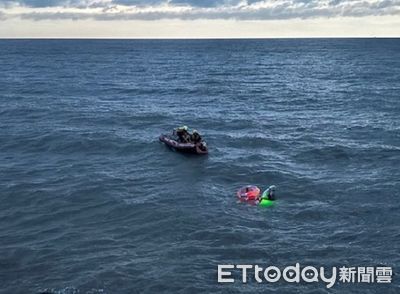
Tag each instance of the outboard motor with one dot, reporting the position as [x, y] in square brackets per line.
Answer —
[203, 146]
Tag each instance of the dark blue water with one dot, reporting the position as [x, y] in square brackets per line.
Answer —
[91, 202]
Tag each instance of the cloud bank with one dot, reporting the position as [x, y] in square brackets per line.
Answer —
[194, 9]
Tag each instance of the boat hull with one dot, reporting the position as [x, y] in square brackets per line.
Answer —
[182, 147]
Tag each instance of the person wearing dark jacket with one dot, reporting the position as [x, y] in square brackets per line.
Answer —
[195, 137]
[183, 134]
[269, 194]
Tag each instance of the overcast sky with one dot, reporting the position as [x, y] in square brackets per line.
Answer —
[199, 18]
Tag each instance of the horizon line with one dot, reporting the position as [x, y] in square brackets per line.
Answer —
[197, 38]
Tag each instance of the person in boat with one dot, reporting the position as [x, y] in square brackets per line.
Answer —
[269, 194]
[183, 134]
[195, 137]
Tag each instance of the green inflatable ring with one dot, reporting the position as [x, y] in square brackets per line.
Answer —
[265, 202]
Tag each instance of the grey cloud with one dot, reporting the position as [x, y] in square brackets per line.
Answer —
[141, 3]
[2, 16]
[199, 3]
[36, 3]
[42, 3]
[226, 9]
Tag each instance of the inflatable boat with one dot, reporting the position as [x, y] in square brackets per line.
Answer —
[172, 142]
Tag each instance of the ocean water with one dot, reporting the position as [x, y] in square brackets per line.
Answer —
[91, 202]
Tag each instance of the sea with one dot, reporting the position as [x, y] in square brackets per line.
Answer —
[91, 201]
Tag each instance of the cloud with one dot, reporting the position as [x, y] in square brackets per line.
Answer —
[195, 9]
[78, 3]
[35, 3]
[2, 16]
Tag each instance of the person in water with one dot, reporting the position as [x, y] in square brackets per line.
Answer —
[183, 134]
[195, 137]
[269, 194]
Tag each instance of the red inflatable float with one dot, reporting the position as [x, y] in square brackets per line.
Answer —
[248, 193]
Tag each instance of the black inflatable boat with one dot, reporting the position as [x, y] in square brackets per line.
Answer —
[172, 142]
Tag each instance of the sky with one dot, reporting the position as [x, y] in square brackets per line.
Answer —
[198, 18]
